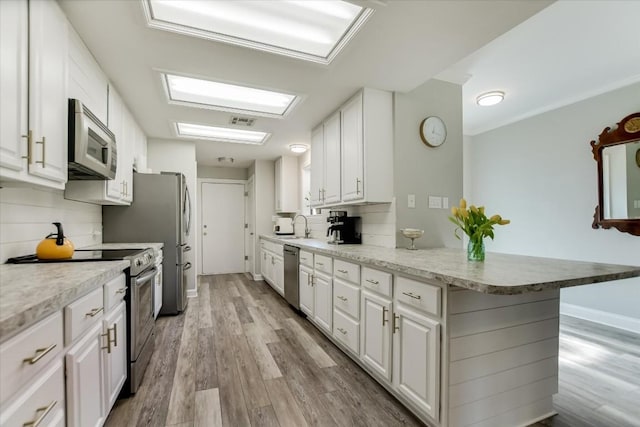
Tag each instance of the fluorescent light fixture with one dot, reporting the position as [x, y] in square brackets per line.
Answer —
[490, 98]
[227, 97]
[190, 130]
[298, 148]
[314, 30]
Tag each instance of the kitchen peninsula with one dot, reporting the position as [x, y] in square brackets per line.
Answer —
[459, 343]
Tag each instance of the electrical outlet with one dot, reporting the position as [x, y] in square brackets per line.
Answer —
[411, 201]
[445, 203]
[435, 202]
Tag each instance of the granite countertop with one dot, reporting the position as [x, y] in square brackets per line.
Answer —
[500, 274]
[30, 292]
[155, 246]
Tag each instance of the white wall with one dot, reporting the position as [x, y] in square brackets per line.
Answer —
[180, 156]
[540, 173]
[26, 215]
[216, 172]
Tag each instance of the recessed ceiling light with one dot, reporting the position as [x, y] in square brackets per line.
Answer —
[490, 98]
[225, 96]
[221, 134]
[298, 148]
[313, 30]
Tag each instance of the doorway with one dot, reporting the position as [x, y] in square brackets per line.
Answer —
[223, 233]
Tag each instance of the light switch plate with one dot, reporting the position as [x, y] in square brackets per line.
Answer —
[445, 203]
[411, 201]
[435, 202]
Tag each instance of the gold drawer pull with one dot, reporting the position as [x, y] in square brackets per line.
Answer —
[115, 334]
[109, 340]
[395, 323]
[121, 290]
[341, 298]
[44, 149]
[412, 295]
[45, 411]
[384, 311]
[319, 263]
[342, 331]
[373, 282]
[40, 353]
[29, 137]
[343, 271]
[95, 311]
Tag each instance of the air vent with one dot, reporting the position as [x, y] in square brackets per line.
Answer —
[242, 121]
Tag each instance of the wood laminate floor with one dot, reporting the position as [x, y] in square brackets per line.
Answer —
[239, 356]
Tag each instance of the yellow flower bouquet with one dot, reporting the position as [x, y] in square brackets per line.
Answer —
[475, 224]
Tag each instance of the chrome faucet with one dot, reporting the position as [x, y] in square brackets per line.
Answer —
[307, 232]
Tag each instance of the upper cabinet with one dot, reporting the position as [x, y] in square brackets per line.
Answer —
[33, 106]
[352, 152]
[287, 190]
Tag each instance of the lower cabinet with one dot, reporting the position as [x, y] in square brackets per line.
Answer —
[306, 291]
[272, 266]
[278, 273]
[114, 326]
[375, 351]
[323, 291]
[417, 359]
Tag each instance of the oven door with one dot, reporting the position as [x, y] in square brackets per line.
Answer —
[141, 310]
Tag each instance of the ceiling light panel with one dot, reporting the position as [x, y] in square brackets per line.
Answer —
[240, 136]
[314, 30]
[227, 97]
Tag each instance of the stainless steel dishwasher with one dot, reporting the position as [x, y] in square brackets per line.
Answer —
[291, 288]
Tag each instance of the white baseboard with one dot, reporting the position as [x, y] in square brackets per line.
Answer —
[627, 323]
[257, 277]
[192, 293]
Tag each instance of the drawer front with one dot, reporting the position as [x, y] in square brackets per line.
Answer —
[323, 264]
[420, 295]
[43, 400]
[25, 354]
[377, 281]
[81, 314]
[276, 248]
[306, 258]
[114, 292]
[346, 271]
[346, 297]
[347, 331]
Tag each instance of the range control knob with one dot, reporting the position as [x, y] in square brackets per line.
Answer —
[138, 262]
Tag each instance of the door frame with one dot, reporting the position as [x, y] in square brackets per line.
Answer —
[249, 238]
[201, 206]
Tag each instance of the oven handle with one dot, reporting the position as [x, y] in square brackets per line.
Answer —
[147, 276]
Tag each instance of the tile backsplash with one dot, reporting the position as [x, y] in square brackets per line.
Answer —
[26, 215]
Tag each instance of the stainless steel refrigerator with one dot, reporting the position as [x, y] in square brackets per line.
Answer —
[160, 212]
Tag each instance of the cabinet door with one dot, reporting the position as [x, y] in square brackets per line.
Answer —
[376, 333]
[352, 150]
[263, 264]
[317, 166]
[306, 291]
[14, 36]
[115, 186]
[48, 104]
[331, 193]
[278, 274]
[114, 326]
[323, 296]
[85, 380]
[417, 360]
[125, 154]
[278, 189]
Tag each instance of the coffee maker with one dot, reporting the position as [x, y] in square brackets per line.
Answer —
[343, 228]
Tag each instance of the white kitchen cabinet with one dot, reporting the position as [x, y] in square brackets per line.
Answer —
[286, 188]
[264, 264]
[306, 291]
[352, 149]
[272, 265]
[322, 292]
[331, 192]
[33, 147]
[115, 372]
[278, 274]
[317, 166]
[376, 329]
[417, 359]
[85, 380]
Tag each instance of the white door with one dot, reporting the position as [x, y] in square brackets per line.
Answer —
[323, 287]
[116, 357]
[250, 230]
[417, 360]
[317, 166]
[376, 333]
[352, 150]
[222, 228]
[306, 291]
[332, 159]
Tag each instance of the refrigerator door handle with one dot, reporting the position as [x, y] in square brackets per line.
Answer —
[186, 266]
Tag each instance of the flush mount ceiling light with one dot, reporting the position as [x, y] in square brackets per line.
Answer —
[227, 97]
[240, 136]
[490, 98]
[226, 160]
[313, 30]
[298, 148]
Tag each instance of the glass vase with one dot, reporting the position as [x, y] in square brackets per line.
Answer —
[475, 250]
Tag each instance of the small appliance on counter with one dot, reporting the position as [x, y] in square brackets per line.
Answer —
[55, 245]
[343, 228]
[283, 226]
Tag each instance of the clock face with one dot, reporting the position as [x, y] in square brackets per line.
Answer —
[433, 132]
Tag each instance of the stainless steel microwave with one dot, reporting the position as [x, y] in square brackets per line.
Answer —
[92, 146]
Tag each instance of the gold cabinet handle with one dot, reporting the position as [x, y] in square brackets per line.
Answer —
[44, 149]
[313, 277]
[342, 331]
[324, 194]
[343, 271]
[110, 341]
[384, 312]
[29, 137]
[108, 336]
[412, 295]
[341, 298]
[319, 263]
[45, 411]
[373, 282]
[115, 334]
[121, 290]
[358, 185]
[95, 311]
[395, 323]
[40, 353]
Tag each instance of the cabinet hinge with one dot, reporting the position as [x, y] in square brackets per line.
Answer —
[246, 257]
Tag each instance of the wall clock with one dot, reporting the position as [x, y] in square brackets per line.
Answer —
[638, 157]
[433, 131]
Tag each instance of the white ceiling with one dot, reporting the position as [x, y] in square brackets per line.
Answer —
[402, 45]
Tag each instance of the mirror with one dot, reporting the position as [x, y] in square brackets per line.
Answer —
[617, 153]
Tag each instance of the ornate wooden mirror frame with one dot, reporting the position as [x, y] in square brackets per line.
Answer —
[628, 130]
